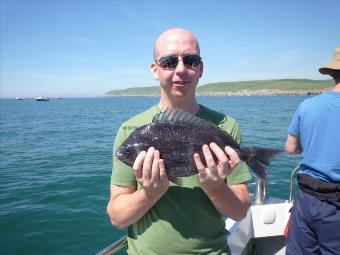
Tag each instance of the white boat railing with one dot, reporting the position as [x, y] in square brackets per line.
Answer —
[292, 178]
[114, 247]
[260, 191]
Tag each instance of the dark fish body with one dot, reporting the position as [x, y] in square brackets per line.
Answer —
[178, 135]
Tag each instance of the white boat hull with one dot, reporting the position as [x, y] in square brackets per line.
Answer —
[262, 229]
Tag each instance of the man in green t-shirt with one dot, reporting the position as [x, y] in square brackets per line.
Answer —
[162, 217]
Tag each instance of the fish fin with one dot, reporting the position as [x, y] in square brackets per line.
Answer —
[158, 116]
[258, 159]
[178, 115]
[175, 180]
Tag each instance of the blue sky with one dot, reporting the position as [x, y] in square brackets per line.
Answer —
[85, 48]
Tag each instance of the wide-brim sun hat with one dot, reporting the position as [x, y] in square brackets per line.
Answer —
[334, 65]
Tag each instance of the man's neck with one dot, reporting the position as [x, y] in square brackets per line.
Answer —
[187, 105]
[337, 87]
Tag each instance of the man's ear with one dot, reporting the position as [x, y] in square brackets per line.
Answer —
[201, 69]
[154, 71]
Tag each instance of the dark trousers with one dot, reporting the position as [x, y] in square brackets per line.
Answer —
[314, 226]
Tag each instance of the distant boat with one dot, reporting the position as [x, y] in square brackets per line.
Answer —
[19, 98]
[41, 99]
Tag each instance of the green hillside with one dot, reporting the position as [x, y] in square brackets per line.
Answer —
[134, 91]
[284, 86]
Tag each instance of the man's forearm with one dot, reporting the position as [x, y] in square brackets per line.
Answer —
[232, 201]
[126, 209]
[293, 145]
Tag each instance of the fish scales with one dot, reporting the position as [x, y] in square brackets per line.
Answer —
[177, 144]
[178, 135]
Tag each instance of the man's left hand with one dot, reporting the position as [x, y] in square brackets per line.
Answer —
[214, 174]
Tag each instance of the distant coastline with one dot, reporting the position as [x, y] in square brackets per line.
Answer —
[291, 87]
[264, 92]
[240, 93]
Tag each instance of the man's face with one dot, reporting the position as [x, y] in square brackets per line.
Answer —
[179, 81]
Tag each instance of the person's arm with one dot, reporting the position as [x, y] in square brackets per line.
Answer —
[232, 201]
[293, 145]
[128, 204]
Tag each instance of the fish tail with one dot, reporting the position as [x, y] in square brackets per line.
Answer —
[258, 159]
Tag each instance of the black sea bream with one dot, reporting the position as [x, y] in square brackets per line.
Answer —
[178, 135]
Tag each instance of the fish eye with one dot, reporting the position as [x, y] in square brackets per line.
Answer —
[128, 151]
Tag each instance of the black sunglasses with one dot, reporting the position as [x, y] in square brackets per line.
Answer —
[171, 62]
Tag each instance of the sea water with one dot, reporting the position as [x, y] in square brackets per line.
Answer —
[56, 160]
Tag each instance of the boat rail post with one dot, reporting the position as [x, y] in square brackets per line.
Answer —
[260, 191]
[292, 177]
[114, 247]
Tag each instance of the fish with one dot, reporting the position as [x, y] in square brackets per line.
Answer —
[178, 135]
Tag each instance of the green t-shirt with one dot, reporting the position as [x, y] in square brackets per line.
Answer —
[183, 221]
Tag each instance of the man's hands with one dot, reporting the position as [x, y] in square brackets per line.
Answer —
[150, 173]
[232, 201]
[213, 176]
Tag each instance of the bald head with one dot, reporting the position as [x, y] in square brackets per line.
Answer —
[176, 40]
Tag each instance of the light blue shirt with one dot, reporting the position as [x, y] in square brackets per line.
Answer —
[317, 123]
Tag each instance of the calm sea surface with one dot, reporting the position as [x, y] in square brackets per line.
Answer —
[56, 160]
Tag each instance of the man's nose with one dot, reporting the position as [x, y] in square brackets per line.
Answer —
[180, 68]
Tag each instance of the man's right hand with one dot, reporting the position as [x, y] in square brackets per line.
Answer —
[150, 173]
[127, 204]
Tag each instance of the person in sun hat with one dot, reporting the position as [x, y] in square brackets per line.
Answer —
[162, 217]
[314, 131]
[332, 68]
